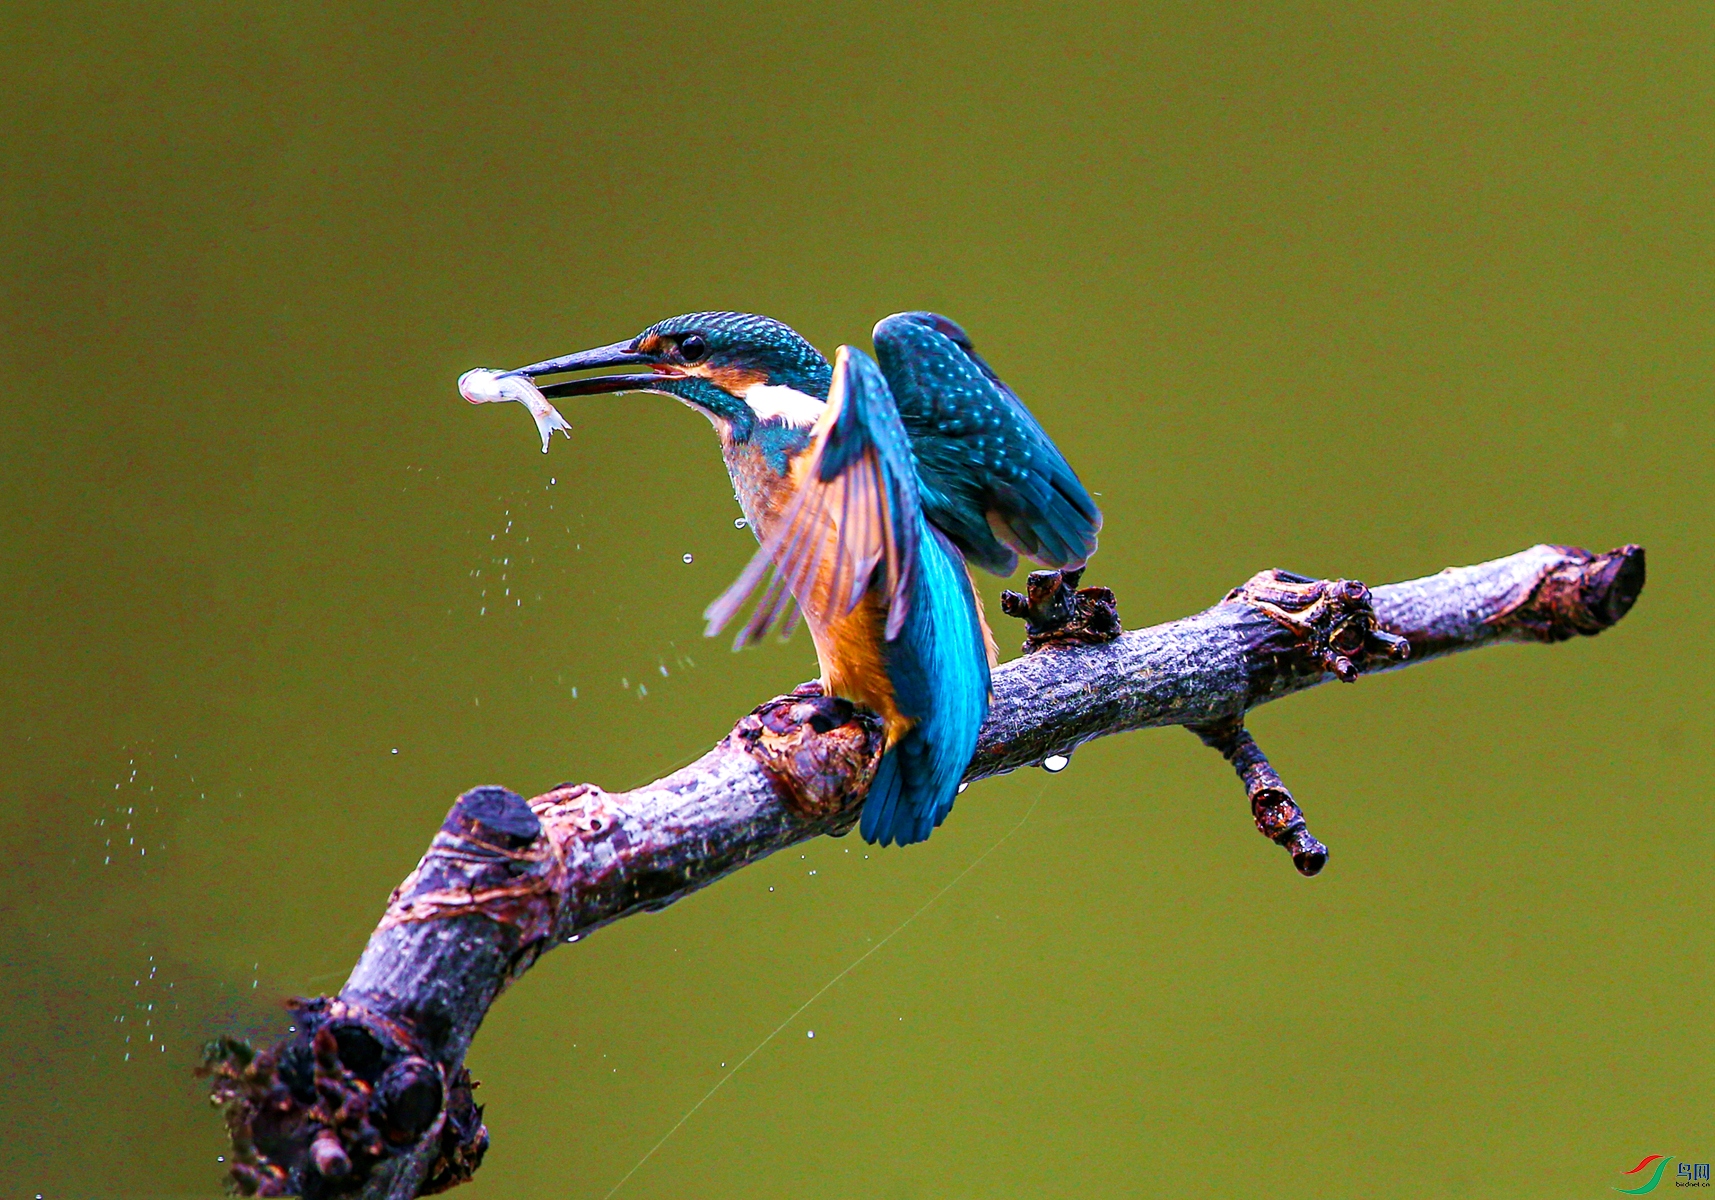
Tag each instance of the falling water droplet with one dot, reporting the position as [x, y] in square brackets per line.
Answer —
[810, 1033]
[395, 749]
[1055, 762]
[962, 788]
[739, 522]
[687, 558]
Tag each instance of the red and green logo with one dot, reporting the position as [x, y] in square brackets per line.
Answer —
[1659, 1162]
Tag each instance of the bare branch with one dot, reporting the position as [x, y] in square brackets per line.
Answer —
[368, 1091]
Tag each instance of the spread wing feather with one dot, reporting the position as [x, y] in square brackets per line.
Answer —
[854, 512]
[991, 478]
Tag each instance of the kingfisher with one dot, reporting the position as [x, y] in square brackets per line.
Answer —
[870, 484]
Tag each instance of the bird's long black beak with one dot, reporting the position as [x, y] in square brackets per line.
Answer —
[620, 354]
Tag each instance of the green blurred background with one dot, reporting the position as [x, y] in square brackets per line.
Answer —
[1354, 290]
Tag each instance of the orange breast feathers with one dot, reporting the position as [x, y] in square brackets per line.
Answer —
[826, 537]
[849, 645]
[850, 650]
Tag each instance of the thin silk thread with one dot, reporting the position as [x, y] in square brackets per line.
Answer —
[797, 1012]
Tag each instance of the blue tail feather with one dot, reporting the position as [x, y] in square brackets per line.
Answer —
[881, 813]
[938, 666]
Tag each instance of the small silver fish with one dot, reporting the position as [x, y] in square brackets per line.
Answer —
[483, 386]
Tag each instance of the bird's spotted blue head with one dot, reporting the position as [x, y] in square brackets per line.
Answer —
[739, 368]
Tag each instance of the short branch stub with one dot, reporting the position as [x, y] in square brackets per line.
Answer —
[1278, 817]
[1057, 612]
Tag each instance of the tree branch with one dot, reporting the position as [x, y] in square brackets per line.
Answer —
[368, 1094]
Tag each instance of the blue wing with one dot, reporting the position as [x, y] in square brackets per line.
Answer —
[989, 476]
[854, 510]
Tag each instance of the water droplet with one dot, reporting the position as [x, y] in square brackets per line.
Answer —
[810, 1033]
[1055, 762]
[739, 523]
[395, 749]
[960, 792]
[688, 558]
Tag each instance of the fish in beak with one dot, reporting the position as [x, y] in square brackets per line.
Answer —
[483, 386]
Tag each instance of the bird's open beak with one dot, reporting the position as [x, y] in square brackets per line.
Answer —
[620, 354]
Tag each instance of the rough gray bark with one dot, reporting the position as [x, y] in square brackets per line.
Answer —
[367, 1092]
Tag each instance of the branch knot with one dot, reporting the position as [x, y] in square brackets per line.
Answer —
[316, 1114]
[1332, 621]
[822, 750]
[1057, 612]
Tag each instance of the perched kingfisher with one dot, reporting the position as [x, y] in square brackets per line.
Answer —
[869, 484]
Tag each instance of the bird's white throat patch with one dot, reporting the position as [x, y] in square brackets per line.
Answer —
[773, 400]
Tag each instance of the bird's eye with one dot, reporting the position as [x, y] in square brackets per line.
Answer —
[692, 347]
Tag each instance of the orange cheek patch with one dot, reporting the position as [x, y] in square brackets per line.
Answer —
[735, 380]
